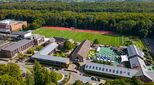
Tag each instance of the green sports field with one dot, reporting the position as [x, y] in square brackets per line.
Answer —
[80, 36]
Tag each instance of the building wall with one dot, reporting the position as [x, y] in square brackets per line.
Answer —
[39, 41]
[54, 63]
[18, 26]
[10, 54]
[77, 58]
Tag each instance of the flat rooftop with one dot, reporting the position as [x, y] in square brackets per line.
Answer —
[9, 21]
[43, 54]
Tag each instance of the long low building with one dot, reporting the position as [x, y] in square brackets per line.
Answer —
[45, 57]
[112, 70]
[14, 48]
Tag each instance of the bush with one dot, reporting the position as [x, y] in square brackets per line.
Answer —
[31, 51]
[38, 48]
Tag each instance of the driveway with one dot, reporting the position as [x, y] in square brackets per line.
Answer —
[84, 79]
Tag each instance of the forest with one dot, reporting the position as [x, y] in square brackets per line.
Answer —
[126, 18]
[83, 7]
[137, 24]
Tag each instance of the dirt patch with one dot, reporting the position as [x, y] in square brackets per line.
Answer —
[79, 30]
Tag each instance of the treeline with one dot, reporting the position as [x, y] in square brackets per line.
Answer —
[83, 6]
[137, 24]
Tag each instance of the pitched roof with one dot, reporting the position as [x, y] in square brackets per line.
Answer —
[138, 64]
[134, 51]
[15, 45]
[49, 48]
[83, 49]
[151, 74]
[113, 70]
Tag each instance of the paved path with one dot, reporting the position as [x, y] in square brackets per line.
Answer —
[23, 68]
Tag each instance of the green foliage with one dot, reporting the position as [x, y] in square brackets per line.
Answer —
[10, 74]
[102, 62]
[78, 36]
[13, 70]
[83, 7]
[29, 80]
[138, 24]
[68, 45]
[42, 76]
[55, 76]
[8, 80]
[31, 51]
[96, 41]
[38, 47]
[125, 81]
[78, 82]
[60, 54]
[38, 74]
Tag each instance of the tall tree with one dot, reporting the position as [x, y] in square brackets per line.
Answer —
[38, 74]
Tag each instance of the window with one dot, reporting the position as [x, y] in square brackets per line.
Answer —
[120, 72]
[117, 71]
[113, 71]
[102, 69]
[128, 73]
[89, 67]
[99, 68]
[110, 70]
[93, 67]
[96, 68]
[86, 66]
[107, 70]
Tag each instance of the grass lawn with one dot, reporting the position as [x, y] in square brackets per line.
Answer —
[60, 54]
[139, 43]
[80, 36]
[59, 76]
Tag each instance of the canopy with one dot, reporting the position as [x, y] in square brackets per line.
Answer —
[98, 49]
[124, 58]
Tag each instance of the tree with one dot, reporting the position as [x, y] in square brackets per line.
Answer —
[47, 78]
[96, 41]
[29, 79]
[30, 51]
[38, 74]
[136, 81]
[8, 80]
[21, 56]
[38, 47]
[54, 76]
[3, 69]
[13, 70]
[78, 82]
[37, 23]
[68, 45]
